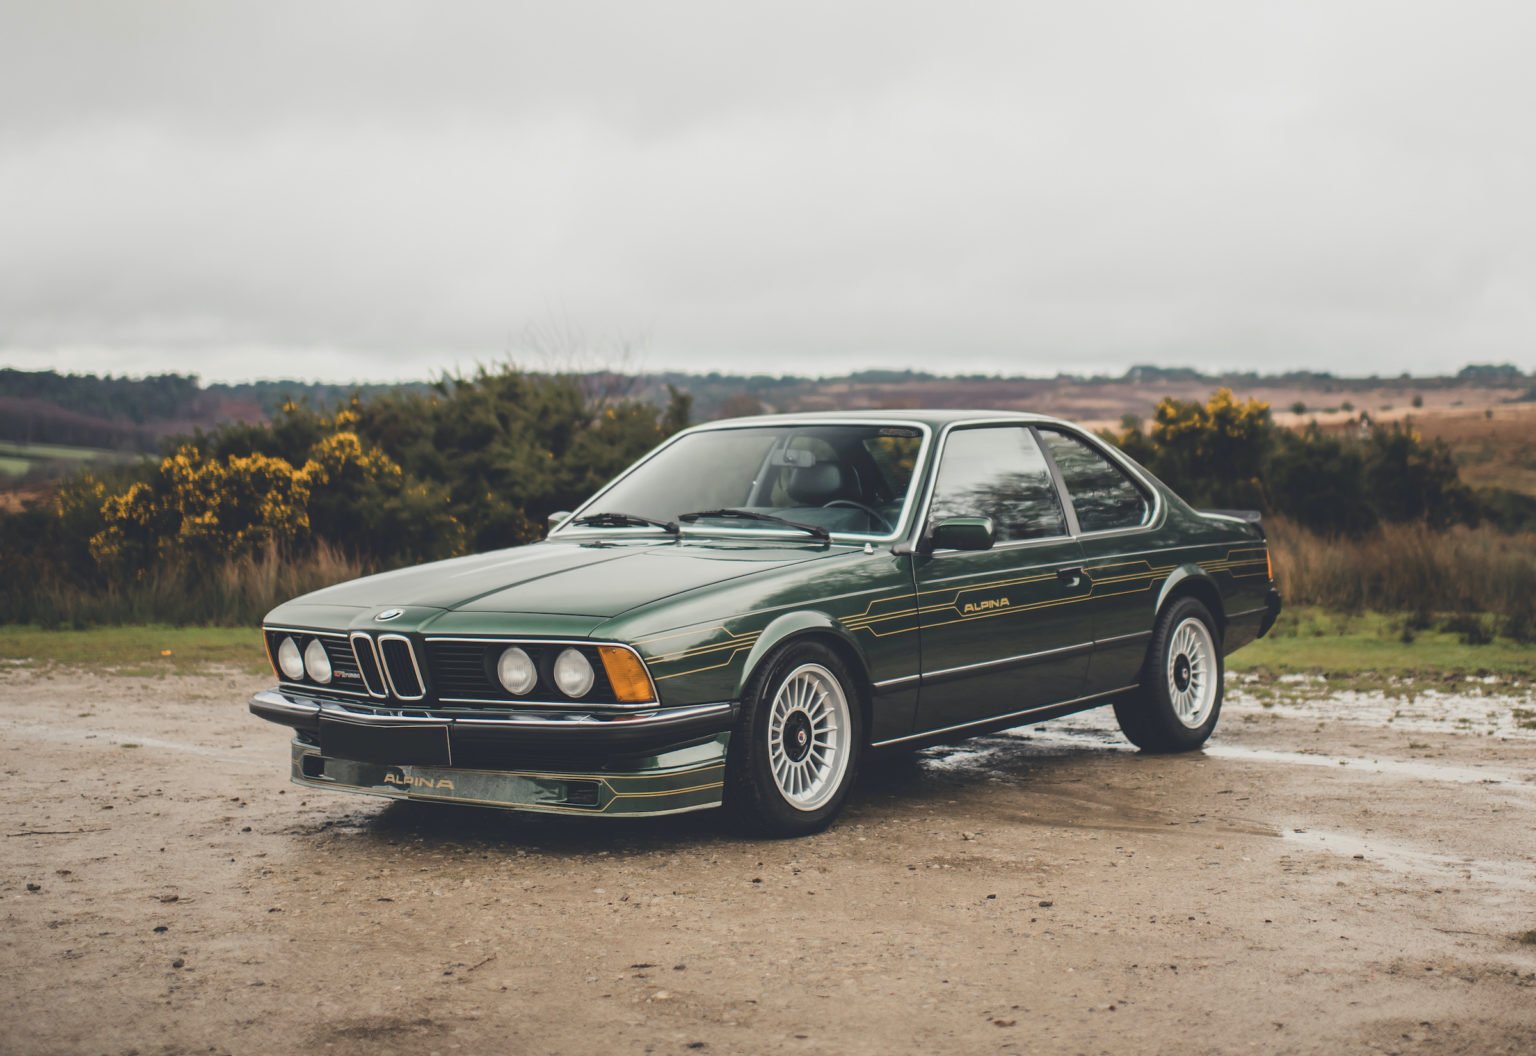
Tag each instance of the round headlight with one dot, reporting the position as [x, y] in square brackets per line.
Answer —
[316, 662]
[516, 671]
[573, 673]
[289, 662]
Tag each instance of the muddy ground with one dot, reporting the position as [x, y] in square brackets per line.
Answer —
[1310, 884]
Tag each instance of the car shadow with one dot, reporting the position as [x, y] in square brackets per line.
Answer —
[890, 784]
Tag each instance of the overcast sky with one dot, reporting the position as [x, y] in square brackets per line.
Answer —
[380, 190]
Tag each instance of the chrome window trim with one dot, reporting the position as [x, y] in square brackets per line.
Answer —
[1139, 478]
[1002, 423]
[1036, 422]
[378, 663]
[565, 527]
[568, 701]
[389, 679]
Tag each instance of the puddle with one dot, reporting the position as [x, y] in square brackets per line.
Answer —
[1486, 707]
[1409, 768]
[1414, 861]
[1096, 733]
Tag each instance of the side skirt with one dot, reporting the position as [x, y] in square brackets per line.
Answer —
[1005, 722]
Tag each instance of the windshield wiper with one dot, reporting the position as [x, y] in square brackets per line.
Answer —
[752, 515]
[614, 519]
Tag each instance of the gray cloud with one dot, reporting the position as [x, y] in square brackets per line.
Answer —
[382, 190]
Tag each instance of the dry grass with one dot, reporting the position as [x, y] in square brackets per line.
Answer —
[236, 593]
[1414, 569]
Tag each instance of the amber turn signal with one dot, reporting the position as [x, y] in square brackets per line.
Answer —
[627, 676]
[1269, 563]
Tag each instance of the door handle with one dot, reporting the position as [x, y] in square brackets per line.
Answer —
[1070, 576]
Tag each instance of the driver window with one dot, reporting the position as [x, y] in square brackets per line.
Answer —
[999, 473]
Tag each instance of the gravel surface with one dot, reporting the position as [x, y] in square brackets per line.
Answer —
[1310, 884]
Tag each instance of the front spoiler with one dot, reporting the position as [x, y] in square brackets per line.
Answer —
[684, 779]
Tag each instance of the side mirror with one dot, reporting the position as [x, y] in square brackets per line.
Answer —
[557, 519]
[962, 533]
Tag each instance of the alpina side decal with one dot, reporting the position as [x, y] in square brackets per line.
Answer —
[1135, 576]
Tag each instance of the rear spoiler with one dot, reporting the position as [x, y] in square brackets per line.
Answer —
[1253, 517]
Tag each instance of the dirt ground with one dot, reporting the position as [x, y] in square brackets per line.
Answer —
[1307, 885]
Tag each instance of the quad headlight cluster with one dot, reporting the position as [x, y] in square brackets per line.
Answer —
[572, 672]
[313, 661]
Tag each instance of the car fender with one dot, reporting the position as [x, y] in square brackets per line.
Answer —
[1185, 576]
[794, 625]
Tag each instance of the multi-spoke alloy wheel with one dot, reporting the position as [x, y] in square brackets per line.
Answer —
[1179, 700]
[1191, 672]
[807, 736]
[796, 745]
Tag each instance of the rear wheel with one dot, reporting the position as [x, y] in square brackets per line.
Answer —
[795, 749]
[1179, 700]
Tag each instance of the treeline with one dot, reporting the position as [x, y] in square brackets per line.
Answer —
[136, 414]
[471, 464]
[1228, 453]
[231, 520]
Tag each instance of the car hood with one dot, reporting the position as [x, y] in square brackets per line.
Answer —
[598, 579]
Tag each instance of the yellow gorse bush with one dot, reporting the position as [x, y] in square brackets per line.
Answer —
[1223, 416]
[196, 507]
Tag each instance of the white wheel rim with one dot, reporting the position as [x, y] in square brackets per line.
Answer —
[808, 731]
[1191, 672]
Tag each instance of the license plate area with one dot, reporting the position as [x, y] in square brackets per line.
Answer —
[425, 745]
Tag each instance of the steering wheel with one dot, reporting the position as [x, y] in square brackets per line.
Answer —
[876, 514]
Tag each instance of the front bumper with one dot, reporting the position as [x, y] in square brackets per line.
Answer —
[660, 761]
[502, 733]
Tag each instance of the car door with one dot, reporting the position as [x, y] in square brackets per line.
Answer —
[1003, 630]
[1112, 514]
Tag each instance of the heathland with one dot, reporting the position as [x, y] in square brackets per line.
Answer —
[1412, 499]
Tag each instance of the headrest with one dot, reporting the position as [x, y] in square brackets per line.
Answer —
[815, 485]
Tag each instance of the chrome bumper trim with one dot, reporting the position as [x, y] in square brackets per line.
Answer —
[275, 702]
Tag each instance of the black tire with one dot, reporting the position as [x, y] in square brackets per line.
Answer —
[1160, 716]
[754, 796]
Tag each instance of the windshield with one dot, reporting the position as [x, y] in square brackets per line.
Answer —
[844, 478]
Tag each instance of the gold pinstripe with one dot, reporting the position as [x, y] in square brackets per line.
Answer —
[1140, 572]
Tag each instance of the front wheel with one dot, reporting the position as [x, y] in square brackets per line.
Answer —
[1179, 700]
[795, 749]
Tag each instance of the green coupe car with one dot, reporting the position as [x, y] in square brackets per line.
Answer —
[744, 613]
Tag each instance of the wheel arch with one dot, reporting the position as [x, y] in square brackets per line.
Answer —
[810, 625]
[1192, 581]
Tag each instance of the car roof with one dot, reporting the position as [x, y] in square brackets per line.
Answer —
[936, 418]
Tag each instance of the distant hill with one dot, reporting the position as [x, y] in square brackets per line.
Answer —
[137, 414]
[122, 414]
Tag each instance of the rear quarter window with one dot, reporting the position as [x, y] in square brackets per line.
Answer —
[1103, 494]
